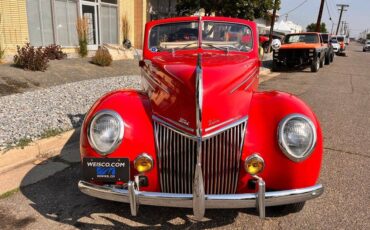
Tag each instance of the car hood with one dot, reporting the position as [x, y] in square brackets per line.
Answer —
[300, 45]
[227, 84]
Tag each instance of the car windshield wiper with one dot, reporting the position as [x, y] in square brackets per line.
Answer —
[226, 49]
[178, 48]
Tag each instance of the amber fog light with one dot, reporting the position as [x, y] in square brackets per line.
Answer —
[254, 164]
[143, 163]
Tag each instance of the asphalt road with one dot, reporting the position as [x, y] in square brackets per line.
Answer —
[340, 96]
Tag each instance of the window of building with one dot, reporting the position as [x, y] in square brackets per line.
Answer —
[54, 21]
[40, 23]
[109, 24]
[65, 22]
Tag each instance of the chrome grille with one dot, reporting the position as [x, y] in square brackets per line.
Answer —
[220, 159]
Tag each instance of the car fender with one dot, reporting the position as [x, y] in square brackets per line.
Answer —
[266, 112]
[134, 108]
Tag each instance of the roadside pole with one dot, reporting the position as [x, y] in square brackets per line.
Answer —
[318, 23]
[276, 4]
[342, 6]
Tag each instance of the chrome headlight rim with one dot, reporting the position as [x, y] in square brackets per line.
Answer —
[282, 143]
[120, 135]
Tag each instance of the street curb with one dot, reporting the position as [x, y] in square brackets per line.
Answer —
[264, 71]
[38, 161]
[38, 150]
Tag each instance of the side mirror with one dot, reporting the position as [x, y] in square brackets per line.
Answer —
[276, 44]
[127, 44]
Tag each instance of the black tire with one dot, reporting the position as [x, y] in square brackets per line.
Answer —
[332, 57]
[289, 208]
[327, 59]
[275, 66]
[322, 62]
[315, 65]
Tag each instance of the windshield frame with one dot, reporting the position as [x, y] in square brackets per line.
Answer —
[200, 38]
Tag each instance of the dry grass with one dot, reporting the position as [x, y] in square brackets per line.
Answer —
[82, 27]
[125, 28]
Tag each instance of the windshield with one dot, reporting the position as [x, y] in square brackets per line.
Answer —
[325, 37]
[215, 35]
[306, 38]
[333, 40]
[340, 39]
[173, 35]
[228, 36]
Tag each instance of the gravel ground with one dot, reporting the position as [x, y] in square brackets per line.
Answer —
[28, 115]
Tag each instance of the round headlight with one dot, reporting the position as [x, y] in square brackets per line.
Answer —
[106, 131]
[297, 137]
[143, 163]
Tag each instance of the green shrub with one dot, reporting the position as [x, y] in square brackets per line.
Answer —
[102, 57]
[54, 52]
[31, 58]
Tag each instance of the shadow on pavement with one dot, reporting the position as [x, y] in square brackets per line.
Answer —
[58, 198]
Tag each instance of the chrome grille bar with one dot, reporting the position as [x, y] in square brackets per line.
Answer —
[177, 158]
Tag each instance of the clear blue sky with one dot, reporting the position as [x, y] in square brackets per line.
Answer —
[357, 14]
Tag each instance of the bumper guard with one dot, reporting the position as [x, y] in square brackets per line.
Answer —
[259, 200]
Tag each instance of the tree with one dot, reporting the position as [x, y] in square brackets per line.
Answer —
[246, 9]
[312, 27]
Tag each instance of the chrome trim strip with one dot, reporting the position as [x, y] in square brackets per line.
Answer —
[193, 137]
[249, 85]
[246, 200]
[198, 183]
[199, 96]
[231, 125]
[255, 71]
[149, 79]
[168, 124]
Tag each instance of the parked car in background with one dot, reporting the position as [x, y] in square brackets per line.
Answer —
[264, 40]
[346, 40]
[329, 57]
[342, 45]
[366, 46]
[335, 44]
[301, 49]
[199, 135]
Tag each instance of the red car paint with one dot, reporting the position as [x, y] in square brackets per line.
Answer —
[230, 83]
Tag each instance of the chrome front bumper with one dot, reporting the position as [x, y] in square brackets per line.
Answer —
[259, 200]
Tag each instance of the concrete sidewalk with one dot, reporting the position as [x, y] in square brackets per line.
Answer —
[39, 160]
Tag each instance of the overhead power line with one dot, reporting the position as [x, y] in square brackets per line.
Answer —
[327, 7]
[295, 7]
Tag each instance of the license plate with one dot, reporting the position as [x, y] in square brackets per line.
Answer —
[106, 169]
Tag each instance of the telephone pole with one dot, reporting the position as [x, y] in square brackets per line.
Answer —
[342, 7]
[318, 23]
[276, 5]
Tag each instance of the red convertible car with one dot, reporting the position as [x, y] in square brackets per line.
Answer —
[199, 135]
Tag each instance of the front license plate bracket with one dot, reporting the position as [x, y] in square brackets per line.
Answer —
[106, 169]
